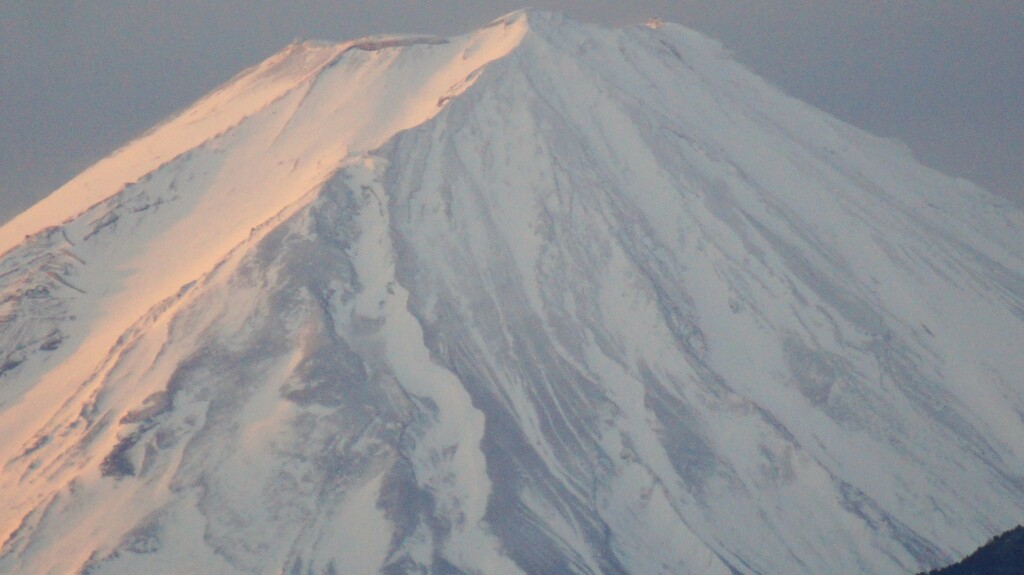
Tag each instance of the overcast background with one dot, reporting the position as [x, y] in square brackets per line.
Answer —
[80, 78]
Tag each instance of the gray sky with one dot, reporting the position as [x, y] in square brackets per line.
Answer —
[80, 78]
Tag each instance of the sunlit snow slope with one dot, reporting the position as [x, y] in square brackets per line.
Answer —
[543, 298]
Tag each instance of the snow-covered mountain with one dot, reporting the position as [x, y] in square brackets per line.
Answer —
[543, 298]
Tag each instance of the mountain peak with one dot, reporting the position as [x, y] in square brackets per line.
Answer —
[540, 298]
[529, 16]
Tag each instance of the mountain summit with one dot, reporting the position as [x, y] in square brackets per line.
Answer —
[542, 298]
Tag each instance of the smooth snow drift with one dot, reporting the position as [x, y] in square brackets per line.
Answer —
[543, 298]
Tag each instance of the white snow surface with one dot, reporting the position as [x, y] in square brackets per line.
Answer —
[542, 298]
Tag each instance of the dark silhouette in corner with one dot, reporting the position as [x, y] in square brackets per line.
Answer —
[1003, 555]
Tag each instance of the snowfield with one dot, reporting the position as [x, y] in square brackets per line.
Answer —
[542, 298]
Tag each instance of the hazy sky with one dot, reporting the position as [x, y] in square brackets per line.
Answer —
[80, 78]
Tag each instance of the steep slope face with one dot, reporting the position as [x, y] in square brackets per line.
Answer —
[545, 298]
[101, 252]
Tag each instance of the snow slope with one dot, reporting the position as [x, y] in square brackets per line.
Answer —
[543, 298]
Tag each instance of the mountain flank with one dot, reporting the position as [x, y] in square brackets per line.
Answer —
[545, 297]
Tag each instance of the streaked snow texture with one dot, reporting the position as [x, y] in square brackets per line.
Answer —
[544, 298]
